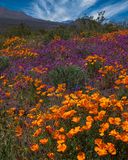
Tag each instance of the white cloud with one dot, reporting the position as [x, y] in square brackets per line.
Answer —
[58, 10]
[111, 10]
[87, 3]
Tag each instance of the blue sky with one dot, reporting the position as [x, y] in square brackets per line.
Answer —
[62, 10]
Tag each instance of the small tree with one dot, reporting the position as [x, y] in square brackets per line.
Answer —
[101, 18]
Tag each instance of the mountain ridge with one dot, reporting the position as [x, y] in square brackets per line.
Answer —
[10, 18]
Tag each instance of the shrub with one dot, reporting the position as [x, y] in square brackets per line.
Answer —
[93, 64]
[19, 30]
[4, 62]
[73, 76]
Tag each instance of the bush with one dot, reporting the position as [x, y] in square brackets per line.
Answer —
[73, 76]
[1, 41]
[19, 30]
[4, 63]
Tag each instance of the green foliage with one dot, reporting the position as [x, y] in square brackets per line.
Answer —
[111, 27]
[20, 30]
[88, 25]
[73, 76]
[62, 31]
[4, 62]
[8, 142]
[92, 69]
[10, 147]
[122, 92]
[2, 39]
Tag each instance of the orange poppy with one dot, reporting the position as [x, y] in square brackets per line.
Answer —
[101, 151]
[115, 121]
[111, 148]
[61, 147]
[37, 132]
[81, 156]
[18, 131]
[34, 147]
[44, 141]
[75, 119]
[50, 155]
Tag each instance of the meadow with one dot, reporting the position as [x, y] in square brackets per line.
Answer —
[66, 99]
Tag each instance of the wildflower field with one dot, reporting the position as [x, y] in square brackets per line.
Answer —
[64, 100]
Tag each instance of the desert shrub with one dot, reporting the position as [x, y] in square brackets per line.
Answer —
[61, 32]
[111, 27]
[1, 45]
[4, 62]
[93, 64]
[19, 30]
[2, 38]
[73, 76]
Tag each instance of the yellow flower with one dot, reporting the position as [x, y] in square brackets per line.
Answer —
[115, 134]
[37, 132]
[39, 121]
[52, 89]
[1, 101]
[61, 148]
[21, 112]
[57, 123]
[61, 130]
[88, 125]
[11, 111]
[73, 132]
[8, 94]
[101, 151]
[100, 116]
[104, 127]
[101, 147]
[115, 121]
[81, 156]
[44, 141]
[18, 131]
[33, 110]
[104, 102]
[68, 114]
[51, 155]
[49, 129]
[34, 147]
[119, 105]
[41, 101]
[76, 119]
[124, 137]
[89, 119]
[111, 148]
[38, 105]
[31, 116]
[125, 115]
[60, 141]
[98, 141]
[125, 126]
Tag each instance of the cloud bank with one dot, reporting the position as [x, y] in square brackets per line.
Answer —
[63, 10]
[58, 10]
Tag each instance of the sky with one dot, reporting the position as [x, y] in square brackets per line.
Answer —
[63, 10]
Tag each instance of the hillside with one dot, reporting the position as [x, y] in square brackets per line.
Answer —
[10, 18]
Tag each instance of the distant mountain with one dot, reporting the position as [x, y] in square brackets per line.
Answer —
[9, 18]
[5, 13]
[68, 21]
